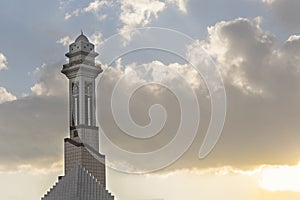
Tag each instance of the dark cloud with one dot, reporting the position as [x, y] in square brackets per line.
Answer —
[262, 84]
[32, 128]
[32, 131]
[261, 126]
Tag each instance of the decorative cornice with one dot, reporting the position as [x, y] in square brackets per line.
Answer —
[81, 69]
[76, 53]
[77, 144]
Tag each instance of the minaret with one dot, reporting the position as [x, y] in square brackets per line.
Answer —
[84, 137]
[81, 72]
[84, 176]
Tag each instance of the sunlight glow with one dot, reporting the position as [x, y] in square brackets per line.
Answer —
[281, 178]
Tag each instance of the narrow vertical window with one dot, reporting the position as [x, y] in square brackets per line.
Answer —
[88, 104]
[89, 111]
[76, 111]
[75, 104]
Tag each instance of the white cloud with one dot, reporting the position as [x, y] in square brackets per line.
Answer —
[64, 3]
[158, 72]
[3, 61]
[293, 38]
[96, 5]
[181, 4]
[139, 13]
[134, 13]
[97, 38]
[268, 1]
[67, 16]
[6, 96]
[189, 73]
[51, 82]
[65, 41]
[72, 14]
[39, 89]
[34, 170]
[93, 7]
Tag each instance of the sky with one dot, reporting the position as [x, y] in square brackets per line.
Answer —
[198, 60]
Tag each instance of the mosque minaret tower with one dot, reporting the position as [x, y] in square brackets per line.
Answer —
[85, 177]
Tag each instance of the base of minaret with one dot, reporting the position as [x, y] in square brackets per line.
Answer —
[78, 184]
[78, 153]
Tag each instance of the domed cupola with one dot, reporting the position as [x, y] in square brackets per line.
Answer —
[82, 37]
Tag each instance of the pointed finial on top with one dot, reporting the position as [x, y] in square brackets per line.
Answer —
[81, 31]
[82, 37]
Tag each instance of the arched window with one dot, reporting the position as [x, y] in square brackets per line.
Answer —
[75, 104]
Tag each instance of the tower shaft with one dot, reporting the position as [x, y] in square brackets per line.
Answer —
[83, 145]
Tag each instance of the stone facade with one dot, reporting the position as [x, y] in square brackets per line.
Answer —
[76, 153]
[78, 184]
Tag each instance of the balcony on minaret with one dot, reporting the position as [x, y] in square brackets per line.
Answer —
[81, 52]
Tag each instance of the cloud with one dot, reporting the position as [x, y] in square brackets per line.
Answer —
[33, 128]
[159, 72]
[97, 38]
[261, 127]
[3, 61]
[94, 7]
[32, 169]
[287, 12]
[181, 4]
[51, 82]
[293, 38]
[65, 41]
[6, 96]
[72, 14]
[190, 182]
[165, 78]
[133, 13]
[64, 3]
[262, 85]
[32, 132]
[137, 13]
[268, 1]
[222, 179]
[240, 48]
[67, 16]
